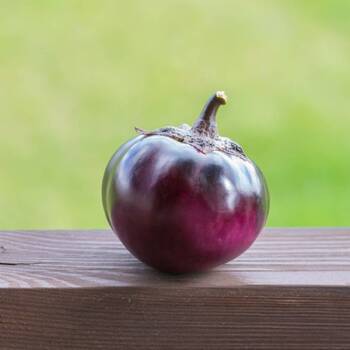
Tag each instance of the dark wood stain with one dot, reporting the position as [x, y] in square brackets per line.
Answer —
[83, 290]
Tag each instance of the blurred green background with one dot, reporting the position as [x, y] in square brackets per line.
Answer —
[77, 76]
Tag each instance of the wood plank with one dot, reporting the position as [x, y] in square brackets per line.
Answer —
[53, 259]
[83, 290]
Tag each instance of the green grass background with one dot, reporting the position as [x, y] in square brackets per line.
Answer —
[77, 76]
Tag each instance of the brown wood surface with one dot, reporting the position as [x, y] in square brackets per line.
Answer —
[83, 290]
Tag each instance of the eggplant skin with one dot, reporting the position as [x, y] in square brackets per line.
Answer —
[179, 210]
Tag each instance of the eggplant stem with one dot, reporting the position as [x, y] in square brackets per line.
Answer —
[206, 122]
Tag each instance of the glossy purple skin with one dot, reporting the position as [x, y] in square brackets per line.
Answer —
[179, 210]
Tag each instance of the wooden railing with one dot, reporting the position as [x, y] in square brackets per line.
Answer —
[83, 290]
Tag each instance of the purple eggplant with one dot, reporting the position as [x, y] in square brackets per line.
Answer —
[184, 199]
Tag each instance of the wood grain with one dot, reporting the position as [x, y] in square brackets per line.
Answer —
[83, 290]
